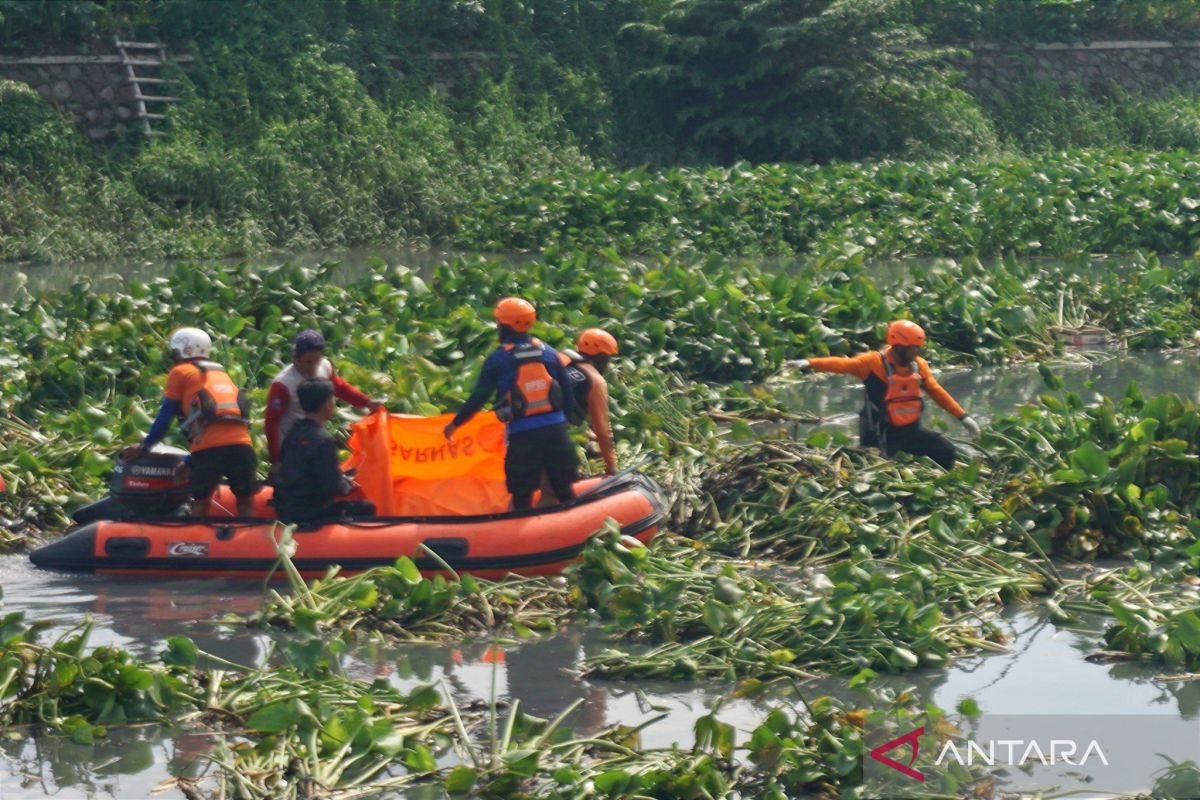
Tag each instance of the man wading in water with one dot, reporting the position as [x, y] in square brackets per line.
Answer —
[893, 380]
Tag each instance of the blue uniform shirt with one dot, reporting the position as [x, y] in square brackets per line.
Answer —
[496, 380]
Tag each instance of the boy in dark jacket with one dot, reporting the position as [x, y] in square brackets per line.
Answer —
[311, 480]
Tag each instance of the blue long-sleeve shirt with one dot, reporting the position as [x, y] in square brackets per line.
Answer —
[168, 411]
[496, 380]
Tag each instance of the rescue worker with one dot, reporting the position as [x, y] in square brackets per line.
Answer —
[283, 407]
[585, 369]
[214, 414]
[311, 484]
[894, 379]
[531, 392]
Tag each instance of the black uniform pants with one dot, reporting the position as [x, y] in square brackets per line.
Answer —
[541, 450]
[918, 441]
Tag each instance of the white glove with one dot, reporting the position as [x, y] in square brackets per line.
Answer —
[800, 364]
[971, 425]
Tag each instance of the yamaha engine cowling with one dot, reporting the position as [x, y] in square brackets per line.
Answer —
[149, 486]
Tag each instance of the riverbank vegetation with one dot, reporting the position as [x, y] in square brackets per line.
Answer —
[523, 124]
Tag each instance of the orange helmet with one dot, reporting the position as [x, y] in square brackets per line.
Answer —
[516, 313]
[903, 333]
[597, 342]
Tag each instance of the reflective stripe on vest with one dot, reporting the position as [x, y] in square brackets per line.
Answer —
[534, 390]
[903, 399]
[217, 400]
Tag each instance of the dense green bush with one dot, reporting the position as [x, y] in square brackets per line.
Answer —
[802, 81]
[34, 136]
[295, 131]
[1037, 115]
[1055, 20]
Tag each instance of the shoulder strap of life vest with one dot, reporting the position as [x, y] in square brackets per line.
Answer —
[889, 369]
[206, 408]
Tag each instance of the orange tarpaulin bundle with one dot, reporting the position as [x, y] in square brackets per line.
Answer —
[407, 468]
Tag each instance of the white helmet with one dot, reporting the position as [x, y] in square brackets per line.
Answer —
[190, 343]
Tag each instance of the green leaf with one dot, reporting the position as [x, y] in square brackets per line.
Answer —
[461, 780]
[1187, 630]
[306, 619]
[234, 326]
[181, 652]
[863, 676]
[614, 782]
[1090, 459]
[1051, 379]
[420, 759]
[741, 431]
[408, 570]
[274, 718]
[522, 762]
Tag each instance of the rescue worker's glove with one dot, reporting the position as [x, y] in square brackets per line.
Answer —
[800, 364]
[971, 425]
[449, 430]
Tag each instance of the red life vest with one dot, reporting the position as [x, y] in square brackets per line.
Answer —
[218, 400]
[534, 391]
[903, 399]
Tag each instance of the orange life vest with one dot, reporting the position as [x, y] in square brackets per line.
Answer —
[534, 391]
[218, 400]
[903, 399]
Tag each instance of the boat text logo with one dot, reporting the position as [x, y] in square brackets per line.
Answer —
[192, 549]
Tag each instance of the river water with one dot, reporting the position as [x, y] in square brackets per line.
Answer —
[1043, 670]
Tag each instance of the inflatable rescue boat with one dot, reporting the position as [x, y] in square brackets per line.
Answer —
[438, 504]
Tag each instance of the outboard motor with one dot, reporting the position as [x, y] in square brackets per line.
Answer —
[149, 486]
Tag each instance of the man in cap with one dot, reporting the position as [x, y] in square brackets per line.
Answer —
[283, 405]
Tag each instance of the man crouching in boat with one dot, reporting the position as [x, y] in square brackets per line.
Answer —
[311, 482]
[893, 380]
[214, 414]
[531, 390]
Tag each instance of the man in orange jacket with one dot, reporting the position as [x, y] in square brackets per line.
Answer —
[894, 379]
[214, 414]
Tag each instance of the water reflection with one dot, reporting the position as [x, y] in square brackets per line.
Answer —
[131, 761]
[137, 613]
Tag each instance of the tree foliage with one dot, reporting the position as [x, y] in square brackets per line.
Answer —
[785, 80]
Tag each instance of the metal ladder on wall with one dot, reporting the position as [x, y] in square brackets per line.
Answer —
[146, 54]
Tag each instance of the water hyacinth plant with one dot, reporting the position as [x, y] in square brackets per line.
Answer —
[399, 603]
[859, 562]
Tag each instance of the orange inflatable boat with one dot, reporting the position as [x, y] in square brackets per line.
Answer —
[432, 498]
